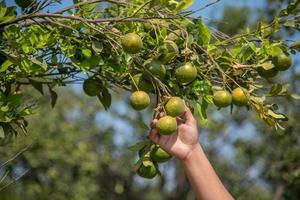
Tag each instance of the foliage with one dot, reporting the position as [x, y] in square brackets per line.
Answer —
[86, 40]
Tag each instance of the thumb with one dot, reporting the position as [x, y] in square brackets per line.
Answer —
[188, 116]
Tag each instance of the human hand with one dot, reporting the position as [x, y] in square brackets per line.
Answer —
[181, 143]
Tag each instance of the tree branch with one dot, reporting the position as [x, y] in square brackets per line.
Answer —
[95, 21]
[89, 2]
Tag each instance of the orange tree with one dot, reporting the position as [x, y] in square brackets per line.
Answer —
[154, 48]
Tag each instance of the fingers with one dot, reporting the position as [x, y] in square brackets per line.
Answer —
[188, 116]
[153, 123]
[154, 136]
[161, 114]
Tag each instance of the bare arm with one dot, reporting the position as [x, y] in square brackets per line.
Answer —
[184, 145]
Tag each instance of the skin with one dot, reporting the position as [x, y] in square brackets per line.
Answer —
[184, 146]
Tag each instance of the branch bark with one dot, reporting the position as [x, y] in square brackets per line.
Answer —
[40, 19]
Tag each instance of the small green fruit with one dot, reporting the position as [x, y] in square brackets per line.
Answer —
[139, 100]
[186, 73]
[222, 98]
[175, 107]
[156, 68]
[166, 125]
[239, 97]
[147, 169]
[132, 43]
[282, 62]
[159, 155]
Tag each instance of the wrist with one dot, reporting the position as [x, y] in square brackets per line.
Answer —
[192, 154]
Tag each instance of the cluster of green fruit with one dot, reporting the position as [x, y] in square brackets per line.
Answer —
[278, 63]
[174, 108]
[238, 96]
[140, 99]
[154, 68]
[166, 125]
[150, 159]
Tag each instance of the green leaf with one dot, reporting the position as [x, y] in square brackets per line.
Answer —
[266, 65]
[5, 119]
[143, 125]
[97, 46]
[185, 4]
[5, 65]
[138, 146]
[205, 34]
[276, 89]
[94, 60]
[105, 98]
[274, 50]
[202, 109]
[3, 10]
[40, 62]
[137, 164]
[86, 52]
[295, 96]
[53, 96]
[4, 108]
[37, 85]
[277, 116]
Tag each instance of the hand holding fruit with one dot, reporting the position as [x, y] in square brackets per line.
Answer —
[183, 140]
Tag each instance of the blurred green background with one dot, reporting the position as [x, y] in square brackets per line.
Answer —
[78, 151]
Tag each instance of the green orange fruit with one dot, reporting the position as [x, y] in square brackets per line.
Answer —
[169, 51]
[239, 97]
[156, 68]
[139, 100]
[92, 87]
[222, 98]
[132, 43]
[147, 169]
[24, 3]
[140, 83]
[166, 125]
[186, 73]
[175, 107]
[159, 155]
[282, 62]
[267, 73]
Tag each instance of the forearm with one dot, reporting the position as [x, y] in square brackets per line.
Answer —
[203, 178]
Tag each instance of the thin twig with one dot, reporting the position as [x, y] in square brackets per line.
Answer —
[88, 2]
[14, 180]
[15, 156]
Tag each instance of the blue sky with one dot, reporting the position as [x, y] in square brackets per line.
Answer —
[215, 10]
